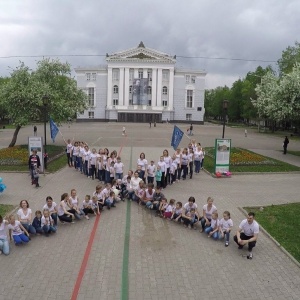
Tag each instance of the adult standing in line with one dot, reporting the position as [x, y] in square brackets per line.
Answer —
[208, 210]
[34, 130]
[69, 152]
[285, 144]
[247, 233]
[143, 163]
[34, 160]
[168, 161]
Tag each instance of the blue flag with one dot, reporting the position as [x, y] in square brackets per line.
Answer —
[53, 130]
[176, 137]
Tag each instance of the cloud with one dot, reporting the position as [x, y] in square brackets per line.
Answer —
[258, 30]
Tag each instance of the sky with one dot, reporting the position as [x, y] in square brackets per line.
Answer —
[255, 31]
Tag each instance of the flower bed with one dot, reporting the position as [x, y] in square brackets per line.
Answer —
[16, 155]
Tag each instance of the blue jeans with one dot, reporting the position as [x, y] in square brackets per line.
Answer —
[85, 168]
[4, 246]
[109, 204]
[107, 176]
[197, 166]
[215, 235]
[30, 229]
[119, 175]
[54, 217]
[21, 238]
[49, 229]
[226, 235]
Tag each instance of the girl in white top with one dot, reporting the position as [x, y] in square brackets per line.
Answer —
[17, 231]
[168, 161]
[4, 244]
[151, 169]
[86, 155]
[47, 222]
[65, 214]
[69, 151]
[75, 154]
[73, 203]
[226, 225]
[25, 216]
[191, 162]
[177, 212]
[208, 210]
[178, 160]
[119, 168]
[213, 229]
[184, 164]
[173, 169]
[163, 169]
[80, 157]
[169, 209]
[198, 156]
[93, 163]
[143, 163]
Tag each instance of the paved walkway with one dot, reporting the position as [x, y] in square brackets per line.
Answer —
[163, 259]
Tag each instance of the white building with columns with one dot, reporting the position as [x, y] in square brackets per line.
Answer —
[142, 85]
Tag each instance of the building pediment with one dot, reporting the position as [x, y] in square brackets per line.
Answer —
[142, 54]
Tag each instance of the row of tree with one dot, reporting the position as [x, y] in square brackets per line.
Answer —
[262, 95]
[33, 95]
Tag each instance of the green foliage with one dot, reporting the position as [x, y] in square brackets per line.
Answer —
[5, 209]
[283, 223]
[290, 56]
[22, 95]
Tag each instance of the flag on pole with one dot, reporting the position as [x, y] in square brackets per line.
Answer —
[176, 137]
[53, 130]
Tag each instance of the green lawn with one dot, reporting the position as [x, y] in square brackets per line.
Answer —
[242, 160]
[297, 153]
[5, 208]
[283, 223]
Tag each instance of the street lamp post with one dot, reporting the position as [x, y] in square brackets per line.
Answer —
[225, 106]
[45, 103]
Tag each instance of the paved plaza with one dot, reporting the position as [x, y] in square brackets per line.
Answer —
[135, 255]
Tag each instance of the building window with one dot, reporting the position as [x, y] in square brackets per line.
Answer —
[149, 102]
[115, 102]
[149, 74]
[165, 103]
[188, 117]
[165, 90]
[131, 74]
[116, 89]
[94, 75]
[149, 90]
[189, 98]
[115, 74]
[187, 78]
[193, 79]
[130, 89]
[91, 96]
[165, 75]
[130, 101]
[141, 73]
[91, 115]
[88, 76]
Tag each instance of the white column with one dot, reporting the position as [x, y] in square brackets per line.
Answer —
[154, 79]
[159, 86]
[109, 87]
[145, 73]
[121, 87]
[136, 73]
[126, 87]
[171, 88]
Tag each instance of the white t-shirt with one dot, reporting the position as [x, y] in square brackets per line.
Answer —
[48, 219]
[225, 224]
[119, 167]
[168, 161]
[69, 148]
[74, 201]
[61, 207]
[22, 216]
[93, 158]
[214, 223]
[170, 208]
[134, 183]
[3, 229]
[187, 207]
[142, 163]
[162, 165]
[86, 204]
[75, 151]
[151, 170]
[208, 213]
[249, 229]
[16, 229]
[178, 211]
[52, 208]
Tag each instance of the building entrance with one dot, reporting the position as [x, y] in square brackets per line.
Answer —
[139, 117]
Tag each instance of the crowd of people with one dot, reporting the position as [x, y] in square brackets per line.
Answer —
[144, 186]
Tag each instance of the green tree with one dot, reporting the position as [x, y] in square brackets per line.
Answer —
[290, 56]
[22, 95]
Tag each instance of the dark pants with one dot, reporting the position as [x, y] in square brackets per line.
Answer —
[88, 211]
[184, 169]
[175, 216]
[150, 179]
[197, 166]
[167, 177]
[69, 159]
[93, 171]
[243, 236]
[158, 184]
[191, 169]
[284, 149]
[203, 223]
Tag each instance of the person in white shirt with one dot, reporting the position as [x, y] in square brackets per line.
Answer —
[25, 216]
[198, 156]
[143, 163]
[226, 225]
[47, 223]
[69, 151]
[75, 155]
[208, 210]
[151, 171]
[213, 229]
[173, 169]
[52, 207]
[168, 161]
[119, 167]
[86, 155]
[247, 233]
[163, 169]
[134, 185]
[4, 244]
[93, 157]
[17, 231]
